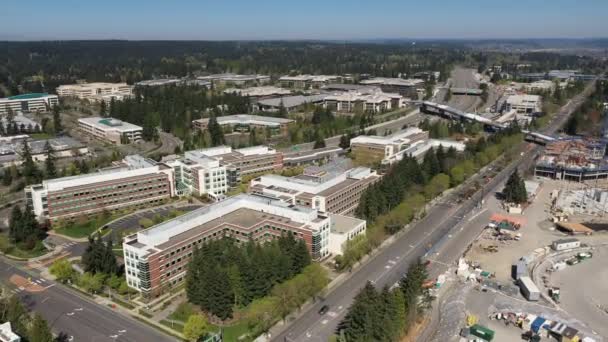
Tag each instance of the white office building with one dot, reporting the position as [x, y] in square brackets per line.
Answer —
[96, 91]
[200, 174]
[343, 229]
[110, 130]
[28, 103]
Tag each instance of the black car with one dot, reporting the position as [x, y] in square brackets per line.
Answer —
[323, 309]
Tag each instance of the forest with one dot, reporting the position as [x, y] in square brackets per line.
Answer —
[223, 275]
[42, 66]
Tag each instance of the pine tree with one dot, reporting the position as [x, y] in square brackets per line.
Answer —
[30, 170]
[515, 189]
[51, 169]
[16, 224]
[344, 141]
[319, 142]
[216, 132]
[102, 108]
[57, 120]
[40, 331]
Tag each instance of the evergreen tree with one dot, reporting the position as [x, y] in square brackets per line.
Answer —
[15, 231]
[58, 127]
[319, 143]
[51, 169]
[39, 330]
[344, 141]
[30, 170]
[216, 132]
[515, 189]
[102, 108]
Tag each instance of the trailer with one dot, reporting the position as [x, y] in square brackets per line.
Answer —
[482, 332]
[528, 288]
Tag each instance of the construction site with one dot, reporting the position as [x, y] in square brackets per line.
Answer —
[521, 279]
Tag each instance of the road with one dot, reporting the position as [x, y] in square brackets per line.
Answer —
[72, 313]
[391, 263]
[464, 78]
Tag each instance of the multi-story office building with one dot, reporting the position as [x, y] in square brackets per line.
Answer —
[236, 163]
[288, 103]
[404, 87]
[137, 182]
[258, 93]
[157, 258]
[234, 79]
[199, 174]
[373, 100]
[334, 188]
[386, 149]
[110, 130]
[35, 102]
[246, 122]
[344, 229]
[315, 156]
[308, 81]
[96, 91]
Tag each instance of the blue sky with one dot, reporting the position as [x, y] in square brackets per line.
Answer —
[303, 19]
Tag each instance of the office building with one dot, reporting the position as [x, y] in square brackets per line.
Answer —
[110, 130]
[136, 182]
[235, 79]
[20, 124]
[199, 174]
[157, 258]
[159, 82]
[288, 103]
[386, 150]
[343, 229]
[246, 122]
[334, 188]
[258, 93]
[96, 91]
[541, 85]
[315, 156]
[238, 162]
[364, 101]
[63, 147]
[404, 87]
[28, 103]
[308, 81]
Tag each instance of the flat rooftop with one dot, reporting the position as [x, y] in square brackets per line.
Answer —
[110, 124]
[341, 224]
[243, 218]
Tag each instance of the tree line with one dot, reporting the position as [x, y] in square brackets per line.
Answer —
[42, 66]
[223, 275]
[24, 230]
[386, 315]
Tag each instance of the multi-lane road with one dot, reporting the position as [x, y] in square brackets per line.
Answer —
[73, 313]
[388, 265]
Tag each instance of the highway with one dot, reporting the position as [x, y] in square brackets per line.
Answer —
[388, 265]
[73, 313]
[463, 78]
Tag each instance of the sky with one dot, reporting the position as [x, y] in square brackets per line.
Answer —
[301, 19]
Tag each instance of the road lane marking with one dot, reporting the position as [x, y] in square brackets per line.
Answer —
[45, 299]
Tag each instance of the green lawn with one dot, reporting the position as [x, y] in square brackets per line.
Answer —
[82, 229]
[175, 326]
[233, 332]
[9, 248]
[41, 136]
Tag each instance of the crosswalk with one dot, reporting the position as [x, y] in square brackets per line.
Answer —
[69, 244]
[41, 281]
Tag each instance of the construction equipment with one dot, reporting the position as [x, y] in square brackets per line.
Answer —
[471, 320]
[554, 294]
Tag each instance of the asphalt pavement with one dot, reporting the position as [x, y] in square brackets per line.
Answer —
[71, 312]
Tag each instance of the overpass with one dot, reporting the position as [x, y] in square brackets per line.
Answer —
[466, 91]
[457, 114]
